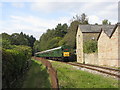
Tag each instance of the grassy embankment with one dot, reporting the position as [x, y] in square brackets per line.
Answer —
[70, 77]
[36, 77]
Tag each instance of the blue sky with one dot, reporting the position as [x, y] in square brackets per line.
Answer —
[34, 18]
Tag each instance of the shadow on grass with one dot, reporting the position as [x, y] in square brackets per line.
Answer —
[36, 77]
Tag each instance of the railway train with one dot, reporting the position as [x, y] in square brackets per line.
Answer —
[62, 53]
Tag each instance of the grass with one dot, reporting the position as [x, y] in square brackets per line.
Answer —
[70, 77]
[37, 76]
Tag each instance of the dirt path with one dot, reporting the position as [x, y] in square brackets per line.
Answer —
[52, 72]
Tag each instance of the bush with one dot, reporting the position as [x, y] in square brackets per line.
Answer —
[5, 43]
[90, 46]
[14, 62]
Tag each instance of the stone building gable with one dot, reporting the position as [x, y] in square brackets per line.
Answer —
[79, 43]
[108, 47]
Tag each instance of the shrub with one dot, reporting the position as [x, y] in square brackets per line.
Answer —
[14, 62]
[90, 46]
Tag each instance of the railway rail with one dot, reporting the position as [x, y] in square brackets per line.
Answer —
[104, 70]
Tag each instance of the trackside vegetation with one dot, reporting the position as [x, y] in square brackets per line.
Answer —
[70, 77]
[14, 63]
[36, 77]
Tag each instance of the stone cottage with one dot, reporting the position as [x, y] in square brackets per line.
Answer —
[84, 33]
[109, 46]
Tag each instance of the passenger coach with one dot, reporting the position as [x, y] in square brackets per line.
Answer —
[61, 53]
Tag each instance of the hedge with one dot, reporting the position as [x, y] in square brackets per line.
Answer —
[14, 62]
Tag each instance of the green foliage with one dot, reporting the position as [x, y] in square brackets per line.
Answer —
[70, 37]
[22, 39]
[5, 36]
[106, 22]
[6, 44]
[51, 38]
[61, 42]
[17, 39]
[14, 62]
[5, 40]
[53, 42]
[37, 76]
[90, 46]
[24, 49]
[36, 47]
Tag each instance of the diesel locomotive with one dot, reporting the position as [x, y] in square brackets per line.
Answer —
[61, 53]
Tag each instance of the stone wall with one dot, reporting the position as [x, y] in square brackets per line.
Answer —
[108, 49]
[119, 46]
[79, 43]
[91, 58]
[80, 38]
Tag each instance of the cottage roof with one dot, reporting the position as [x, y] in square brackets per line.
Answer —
[109, 31]
[95, 28]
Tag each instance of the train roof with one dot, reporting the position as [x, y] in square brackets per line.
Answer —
[49, 50]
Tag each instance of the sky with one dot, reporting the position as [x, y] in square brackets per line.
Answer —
[34, 17]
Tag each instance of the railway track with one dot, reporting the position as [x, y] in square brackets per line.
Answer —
[104, 70]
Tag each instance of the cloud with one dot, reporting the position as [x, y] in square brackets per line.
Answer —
[1, 5]
[18, 4]
[100, 9]
[49, 7]
[59, 1]
[31, 24]
[94, 19]
[63, 12]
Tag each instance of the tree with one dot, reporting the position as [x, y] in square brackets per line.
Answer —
[6, 44]
[54, 42]
[6, 41]
[70, 38]
[109, 23]
[31, 41]
[84, 19]
[5, 36]
[96, 23]
[19, 39]
[106, 22]
[81, 19]
[36, 46]
[61, 30]
[51, 38]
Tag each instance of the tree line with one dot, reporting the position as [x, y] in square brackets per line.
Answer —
[17, 39]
